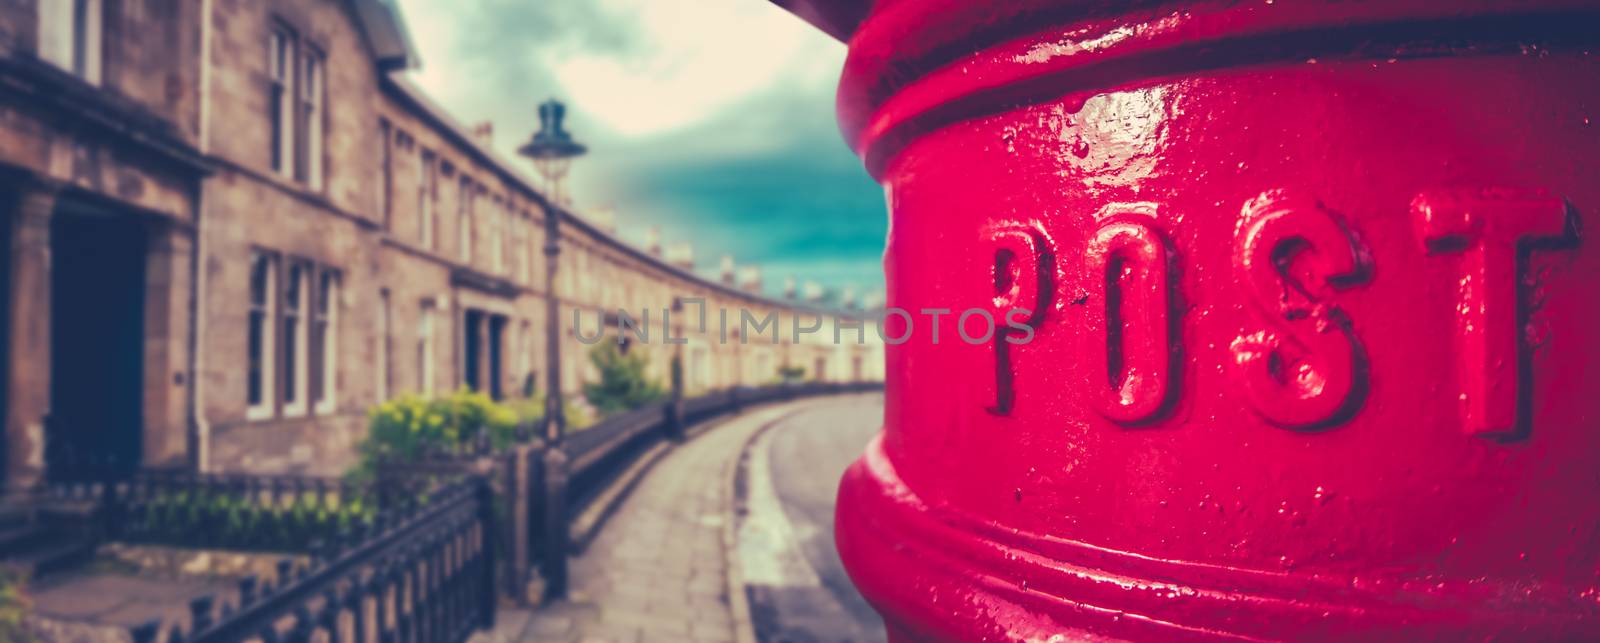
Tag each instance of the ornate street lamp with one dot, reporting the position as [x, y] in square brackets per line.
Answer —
[552, 150]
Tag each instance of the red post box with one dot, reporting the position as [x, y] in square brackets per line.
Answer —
[1310, 345]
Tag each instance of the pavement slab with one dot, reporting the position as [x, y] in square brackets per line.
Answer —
[658, 570]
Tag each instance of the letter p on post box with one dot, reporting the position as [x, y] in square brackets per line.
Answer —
[1317, 353]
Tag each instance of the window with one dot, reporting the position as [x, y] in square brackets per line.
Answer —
[382, 370]
[525, 357]
[581, 273]
[497, 246]
[427, 189]
[519, 246]
[295, 368]
[325, 338]
[464, 239]
[297, 92]
[386, 196]
[568, 271]
[281, 68]
[293, 338]
[70, 36]
[263, 275]
[425, 350]
[311, 95]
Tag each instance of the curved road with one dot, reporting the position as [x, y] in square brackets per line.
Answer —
[798, 589]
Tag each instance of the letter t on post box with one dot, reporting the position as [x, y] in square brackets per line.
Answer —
[1494, 231]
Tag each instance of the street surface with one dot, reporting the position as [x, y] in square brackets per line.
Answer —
[799, 592]
[660, 568]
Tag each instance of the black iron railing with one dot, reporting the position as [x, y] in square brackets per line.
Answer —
[421, 573]
[239, 512]
[420, 552]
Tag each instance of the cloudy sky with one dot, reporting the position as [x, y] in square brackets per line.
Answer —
[712, 119]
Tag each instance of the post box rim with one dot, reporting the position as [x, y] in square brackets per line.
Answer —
[916, 67]
[884, 524]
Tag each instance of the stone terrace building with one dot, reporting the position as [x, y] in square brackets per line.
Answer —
[233, 226]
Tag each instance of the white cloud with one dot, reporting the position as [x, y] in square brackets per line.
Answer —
[695, 58]
[700, 115]
[684, 63]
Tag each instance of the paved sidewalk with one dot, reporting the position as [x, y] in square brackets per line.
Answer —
[659, 568]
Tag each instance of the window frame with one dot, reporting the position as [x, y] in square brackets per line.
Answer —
[324, 329]
[295, 349]
[386, 180]
[497, 236]
[519, 243]
[266, 405]
[425, 349]
[427, 194]
[311, 112]
[465, 228]
[385, 345]
[71, 36]
[282, 57]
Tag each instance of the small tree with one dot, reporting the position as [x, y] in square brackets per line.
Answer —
[623, 383]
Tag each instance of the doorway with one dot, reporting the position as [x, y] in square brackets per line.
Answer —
[97, 301]
[497, 331]
[471, 349]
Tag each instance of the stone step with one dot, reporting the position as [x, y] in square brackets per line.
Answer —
[20, 538]
[15, 515]
[52, 557]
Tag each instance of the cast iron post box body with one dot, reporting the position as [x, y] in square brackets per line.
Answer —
[1313, 327]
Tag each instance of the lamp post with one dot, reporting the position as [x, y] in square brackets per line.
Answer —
[552, 150]
[674, 409]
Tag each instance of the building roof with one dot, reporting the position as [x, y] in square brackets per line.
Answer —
[400, 84]
[386, 32]
[837, 18]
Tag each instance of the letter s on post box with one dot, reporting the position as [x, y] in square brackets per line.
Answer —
[1308, 369]
[1318, 357]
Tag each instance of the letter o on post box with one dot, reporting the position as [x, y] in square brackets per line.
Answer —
[1317, 355]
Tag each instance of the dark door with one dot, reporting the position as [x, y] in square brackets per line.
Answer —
[94, 431]
[471, 349]
[6, 224]
[497, 331]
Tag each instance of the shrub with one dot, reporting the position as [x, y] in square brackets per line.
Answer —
[14, 606]
[228, 519]
[530, 412]
[623, 384]
[410, 427]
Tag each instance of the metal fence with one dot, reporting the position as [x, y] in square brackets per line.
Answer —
[421, 573]
[540, 487]
[237, 512]
[419, 553]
